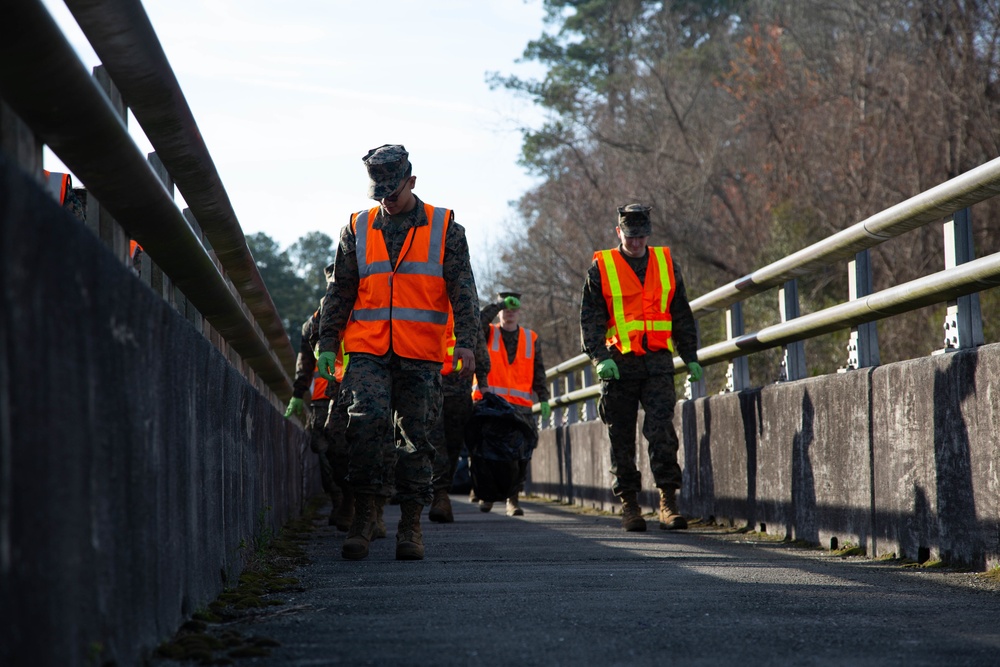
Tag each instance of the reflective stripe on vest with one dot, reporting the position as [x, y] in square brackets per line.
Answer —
[512, 381]
[638, 314]
[406, 308]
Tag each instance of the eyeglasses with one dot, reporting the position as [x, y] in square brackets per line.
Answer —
[391, 199]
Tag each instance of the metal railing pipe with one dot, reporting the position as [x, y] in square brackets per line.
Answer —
[124, 39]
[974, 276]
[967, 278]
[939, 202]
[45, 84]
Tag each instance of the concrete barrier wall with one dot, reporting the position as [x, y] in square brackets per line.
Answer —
[137, 466]
[901, 459]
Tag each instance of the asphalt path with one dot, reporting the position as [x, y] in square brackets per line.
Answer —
[564, 587]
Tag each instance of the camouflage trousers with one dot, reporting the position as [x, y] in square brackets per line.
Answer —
[327, 439]
[619, 409]
[448, 437]
[392, 405]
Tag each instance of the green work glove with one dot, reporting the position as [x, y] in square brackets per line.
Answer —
[608, 370]
[296, 406]
[695, 371]
[511, 302]
[325, 363]
[546, 410]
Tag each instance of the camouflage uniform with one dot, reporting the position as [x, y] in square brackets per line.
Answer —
[538, 385]
[448, 435]
[385, 390]
[332, 450]
[646, 380]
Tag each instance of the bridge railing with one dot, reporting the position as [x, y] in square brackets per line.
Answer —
[572, 381]
[203, 266]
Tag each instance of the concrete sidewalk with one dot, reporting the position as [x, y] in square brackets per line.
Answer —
[560, 587]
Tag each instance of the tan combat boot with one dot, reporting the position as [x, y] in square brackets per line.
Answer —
[409, 539]
[359, 535]
[632, 520]
[345, 511]
[670, 516]
[513, 507]
[441, 507]
[379, 518]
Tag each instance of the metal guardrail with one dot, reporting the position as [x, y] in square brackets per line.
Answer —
[933, 205]
[44, 82]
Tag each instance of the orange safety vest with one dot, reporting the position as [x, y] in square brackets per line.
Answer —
[320, 383]
[512, 381]
[637, 311]
[404, 307]
[56, 183]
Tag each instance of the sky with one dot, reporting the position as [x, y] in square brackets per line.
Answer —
[289, 96]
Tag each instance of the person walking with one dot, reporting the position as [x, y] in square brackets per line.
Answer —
[517, 372]
[448, 434]
[400, 267]
[323, 441]
[633, 315]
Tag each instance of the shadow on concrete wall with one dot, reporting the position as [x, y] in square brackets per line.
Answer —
[750, 409]
[956, 505]
[803, 480]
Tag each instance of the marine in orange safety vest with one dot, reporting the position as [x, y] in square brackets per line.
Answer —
[517, 371]
[633, 315]
[400, 267]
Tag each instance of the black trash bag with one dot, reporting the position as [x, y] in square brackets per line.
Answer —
[500, 441]
[461, 482]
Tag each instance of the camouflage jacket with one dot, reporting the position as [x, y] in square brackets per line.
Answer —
[342, 291]
[510, 346]
[594, 325]
[305, 362]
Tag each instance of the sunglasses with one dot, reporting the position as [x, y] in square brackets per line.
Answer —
[391, 199]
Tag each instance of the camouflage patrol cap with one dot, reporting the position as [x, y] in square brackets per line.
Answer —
[387, 166]
[633, 220]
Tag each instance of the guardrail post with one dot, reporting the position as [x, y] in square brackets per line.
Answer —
[862, 349]
[192, 313]
[572, 414]
[19, 143]
[699, 388]
[963, 323]
[590, 406]
[109, 230]
[738, 373]
[177, 298]
[793, 362]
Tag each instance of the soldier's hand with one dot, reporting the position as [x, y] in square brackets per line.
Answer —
[695, 371]
[545, 409]
[296, 406]
[465, 362]
[608, 370]
[325, 364]
[511, 302]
